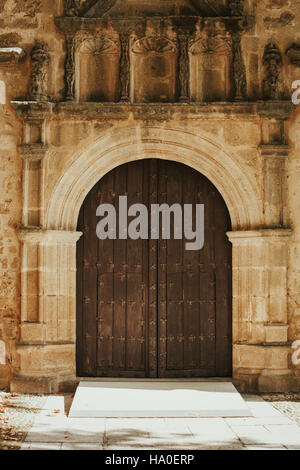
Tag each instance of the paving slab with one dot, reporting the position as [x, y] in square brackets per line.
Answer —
[158, 399]
[53, 430]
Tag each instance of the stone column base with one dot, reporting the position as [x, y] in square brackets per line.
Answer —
[264, 368]
[277, 383]
[44, 385]
[259, 383]
[45, 368]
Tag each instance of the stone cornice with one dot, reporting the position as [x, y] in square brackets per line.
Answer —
[34, 152]
[275, 109]
[164, 111]
[274, 150]
[50, 237]
[248, 236]
[31, 110]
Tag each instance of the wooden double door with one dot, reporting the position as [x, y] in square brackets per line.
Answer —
[151, 308]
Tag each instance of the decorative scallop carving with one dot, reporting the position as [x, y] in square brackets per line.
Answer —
[159, 44]
[99, 45]
[211, 45]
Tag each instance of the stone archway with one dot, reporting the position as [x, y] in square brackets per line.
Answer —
[47, 345]
[127, 144]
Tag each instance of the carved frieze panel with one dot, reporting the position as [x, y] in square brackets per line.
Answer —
[97, 68]
[119, 8]
[210, 58]
[154, 66]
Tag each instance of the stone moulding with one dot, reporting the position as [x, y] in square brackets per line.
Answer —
[244, 236]
[279, 150]
[166, 111]
[11, 55]
[153, 111]
[34, 152]
[75, 24]
[97, 8]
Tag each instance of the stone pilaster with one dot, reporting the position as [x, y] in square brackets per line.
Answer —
[274, 152]
[260, 348]
[70, 67]
[48, 279]
[33, 151]
[184, 67]
[275, 184]
[238, 67]
[125, 66]
[33, 183]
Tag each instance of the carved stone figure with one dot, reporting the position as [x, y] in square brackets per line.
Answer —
[273, 62]
[39, 59]
[72, 7]
[236, 7]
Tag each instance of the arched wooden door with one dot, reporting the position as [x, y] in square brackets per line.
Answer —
[150, 308]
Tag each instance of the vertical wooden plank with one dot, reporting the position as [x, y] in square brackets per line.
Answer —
[223, 256]
[135, 322]
[79, 299]
[105, 271]
[120, 280]
[153, 347]
[191, 280]
[175, 286]
[90, 283]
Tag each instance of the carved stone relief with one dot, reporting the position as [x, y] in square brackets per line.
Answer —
[70, 68]
[153, 44]
[236, 7]
[39, 60]
[238, 68]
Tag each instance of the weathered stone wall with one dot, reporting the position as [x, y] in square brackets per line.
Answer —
[22, 23]
[71, 132]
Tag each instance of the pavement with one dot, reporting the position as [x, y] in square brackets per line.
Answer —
[268, 429]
